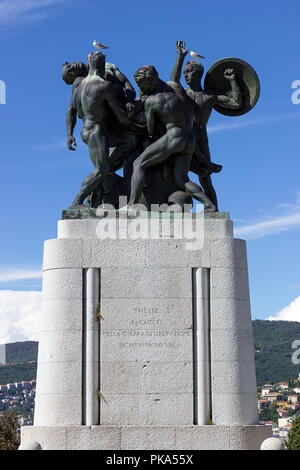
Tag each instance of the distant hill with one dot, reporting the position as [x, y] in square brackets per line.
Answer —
[17, 373]
[24, 351]
[21, 362]
[273, 340]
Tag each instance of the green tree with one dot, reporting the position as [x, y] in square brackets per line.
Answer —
[9, 431]
[293, 440]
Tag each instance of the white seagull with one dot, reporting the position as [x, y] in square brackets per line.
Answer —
[99, 46]
[195, 54]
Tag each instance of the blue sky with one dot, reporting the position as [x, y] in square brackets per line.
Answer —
[259, 184]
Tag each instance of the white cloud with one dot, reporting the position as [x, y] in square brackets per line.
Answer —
[241, 122]
[289, 313]
[269, 227]
[19, 312]
[288, 220]
[16, 274]
[16, 11]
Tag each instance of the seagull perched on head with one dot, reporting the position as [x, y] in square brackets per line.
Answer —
[99, 46]
[195, 54]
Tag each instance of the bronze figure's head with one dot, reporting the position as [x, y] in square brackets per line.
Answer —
[71, 71]
[193, 71]
[147, 79]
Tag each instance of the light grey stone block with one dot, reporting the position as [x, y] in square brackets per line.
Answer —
[233, 375]
[132, 437]
[49, 438]
[58, 410]
[151, 345]
[248, 437]
[61, 314]
[65, 253]
[59, 377]
[148, 437]
[146, 409]
[160, 225]
[93, 438]
[231, 345]
[77, 228]
[62, 284]
[171, 253]
[157, 283]
[117, 253]
[202, 438]
[30, 445]
[228, 253]
[218, 229]
[229, 283]
[146, 314]
[146, 377]
[230, 313]
[234, 409]
[60, 346]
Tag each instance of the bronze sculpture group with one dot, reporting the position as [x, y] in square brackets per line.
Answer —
[157, 137]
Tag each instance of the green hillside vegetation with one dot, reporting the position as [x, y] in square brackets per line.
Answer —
[274, 341]
[25, 351]
[21, 362]
[17, 373]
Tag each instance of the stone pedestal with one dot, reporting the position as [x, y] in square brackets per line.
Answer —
[145, 336]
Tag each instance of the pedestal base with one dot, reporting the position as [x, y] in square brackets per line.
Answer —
[147, 437]
[146, 337]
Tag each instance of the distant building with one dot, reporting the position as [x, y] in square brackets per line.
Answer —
[283, 422]
[2, 354]
[282, 413]
[26, 384]
[11, 386]
[283, 432]
[267, 423]
[283, 385]
[266, 390]
[273, 396]
[296, 389]
[262, 403]
[294, 406]
[292, 398]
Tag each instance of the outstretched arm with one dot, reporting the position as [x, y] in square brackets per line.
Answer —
[71, 123]
[181, 53]
[235, 99]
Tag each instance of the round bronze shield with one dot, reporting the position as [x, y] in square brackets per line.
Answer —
[247, 80]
